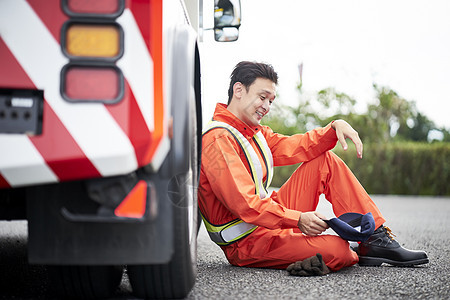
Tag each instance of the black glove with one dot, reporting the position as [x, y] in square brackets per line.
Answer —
[312, 266]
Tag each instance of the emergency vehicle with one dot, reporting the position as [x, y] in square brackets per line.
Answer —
[100, 132]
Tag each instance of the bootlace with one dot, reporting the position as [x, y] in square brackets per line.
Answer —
[389, 232]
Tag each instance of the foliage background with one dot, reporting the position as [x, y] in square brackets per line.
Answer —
[404, 152]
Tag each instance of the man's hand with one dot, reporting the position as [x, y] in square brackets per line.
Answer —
[344, 131]
[311, 223]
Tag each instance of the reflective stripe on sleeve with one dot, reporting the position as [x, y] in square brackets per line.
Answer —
[228, 233]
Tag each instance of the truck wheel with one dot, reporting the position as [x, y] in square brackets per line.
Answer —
[176, 278]
[84, 282]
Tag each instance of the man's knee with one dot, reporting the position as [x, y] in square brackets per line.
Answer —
[338, 254]
[333, 157]
[324, 163]
[328, 157]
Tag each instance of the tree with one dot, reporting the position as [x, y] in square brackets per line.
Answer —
[418, 131]
[389, 118]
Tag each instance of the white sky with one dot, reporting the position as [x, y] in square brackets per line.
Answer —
[346, 44]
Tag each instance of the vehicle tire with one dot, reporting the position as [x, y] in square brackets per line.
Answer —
[84, 282]
[175, 279]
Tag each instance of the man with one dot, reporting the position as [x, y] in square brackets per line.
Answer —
[255, 229]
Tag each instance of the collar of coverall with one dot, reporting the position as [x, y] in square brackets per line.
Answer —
[224, 115]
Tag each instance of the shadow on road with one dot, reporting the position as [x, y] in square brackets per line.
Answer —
[18, 279]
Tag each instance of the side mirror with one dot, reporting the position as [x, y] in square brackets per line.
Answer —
[227, 19]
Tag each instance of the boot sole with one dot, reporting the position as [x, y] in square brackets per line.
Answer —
[377, 261]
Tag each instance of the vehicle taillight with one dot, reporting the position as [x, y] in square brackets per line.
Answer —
[97, 6]
[93, 8]
[85, 83]
[91, 40]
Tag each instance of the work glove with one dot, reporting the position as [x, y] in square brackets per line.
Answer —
[312, 266]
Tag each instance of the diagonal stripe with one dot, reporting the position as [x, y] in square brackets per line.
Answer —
[11, 73]
[21, 163]
[51, 15]
[60, 151]
[145, 76]
[137, 66]
[90, 124]
[133, 126]
[19, 159]
[3, 182]
[55, 144]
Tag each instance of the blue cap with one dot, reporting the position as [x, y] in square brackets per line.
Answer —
[353, 226]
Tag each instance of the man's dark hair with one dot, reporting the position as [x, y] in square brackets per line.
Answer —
[247, 72]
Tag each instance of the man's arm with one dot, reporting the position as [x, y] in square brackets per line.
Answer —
[232, 184]
[289, 150]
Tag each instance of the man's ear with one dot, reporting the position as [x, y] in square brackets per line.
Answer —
[237, 90]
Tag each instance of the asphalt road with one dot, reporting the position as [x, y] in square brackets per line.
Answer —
[419, 223]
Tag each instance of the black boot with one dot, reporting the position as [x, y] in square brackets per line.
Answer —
[382, 248]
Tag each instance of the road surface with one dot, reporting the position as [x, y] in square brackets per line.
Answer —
[419, 223]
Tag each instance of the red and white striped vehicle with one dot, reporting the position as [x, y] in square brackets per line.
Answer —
[100, 125]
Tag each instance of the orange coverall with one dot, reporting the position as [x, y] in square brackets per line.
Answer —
[227, 192]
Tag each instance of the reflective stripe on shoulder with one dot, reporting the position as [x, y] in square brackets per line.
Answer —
[267, 155]
[252, 158]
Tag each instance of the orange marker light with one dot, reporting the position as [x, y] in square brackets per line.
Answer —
[92, 40]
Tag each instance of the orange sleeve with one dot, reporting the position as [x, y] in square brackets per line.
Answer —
[289, 150]
[232, 185]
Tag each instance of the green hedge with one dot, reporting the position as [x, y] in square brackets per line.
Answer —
[398, 168]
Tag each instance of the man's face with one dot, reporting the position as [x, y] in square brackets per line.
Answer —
[255, 103]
